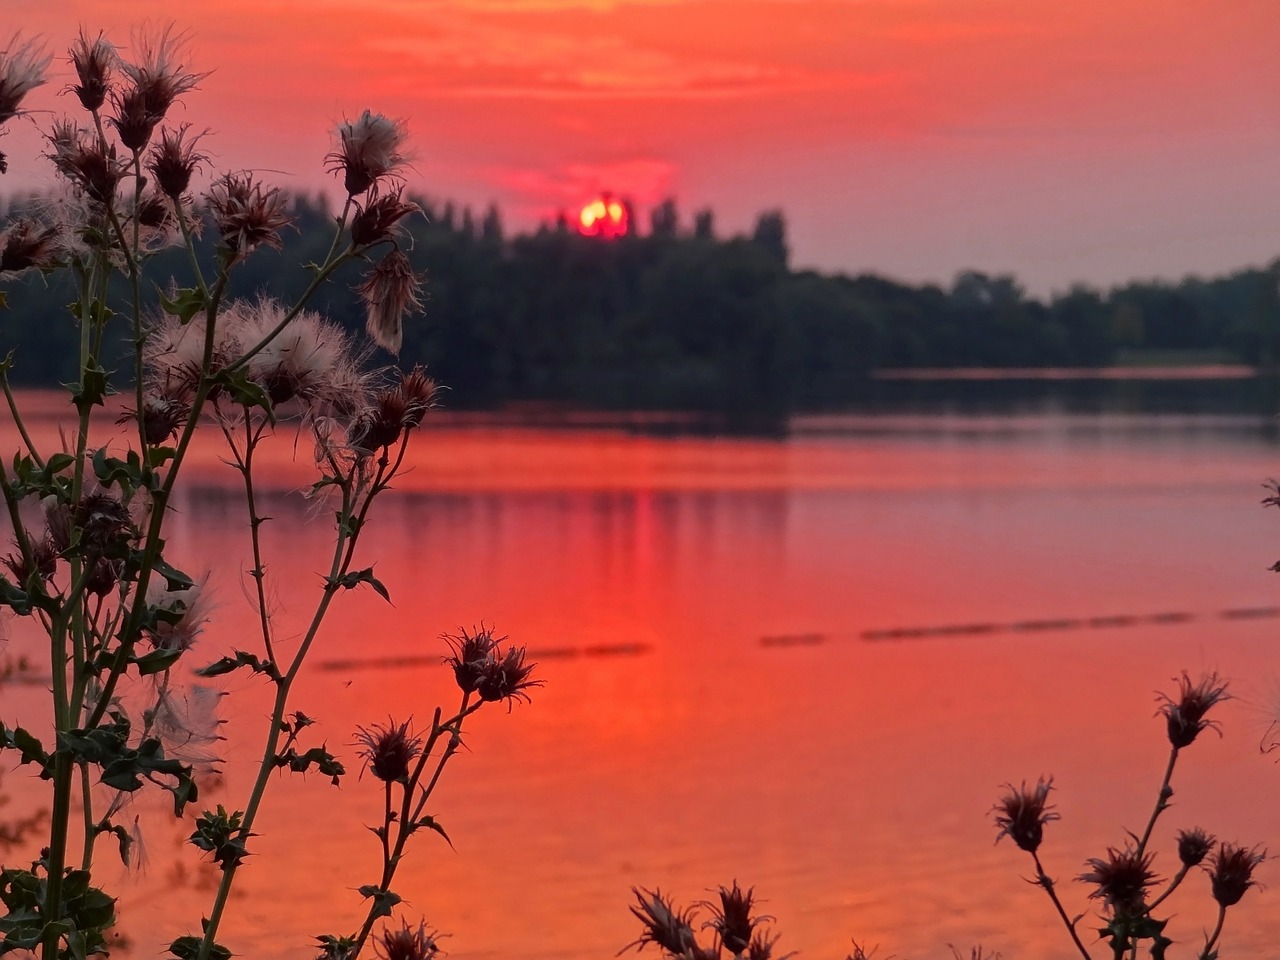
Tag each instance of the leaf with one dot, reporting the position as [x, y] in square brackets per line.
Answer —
[384, 901]
[352, 580]
[174, 578]
[431, 824]
[92, 388]
[225, 665]
[157, 661]
[184, 304]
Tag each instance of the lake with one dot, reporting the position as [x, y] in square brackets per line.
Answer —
[807, 662]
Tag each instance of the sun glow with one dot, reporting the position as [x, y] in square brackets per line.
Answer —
[604, 217]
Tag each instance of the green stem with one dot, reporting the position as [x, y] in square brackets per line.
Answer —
[17, 417]
[1217, 932]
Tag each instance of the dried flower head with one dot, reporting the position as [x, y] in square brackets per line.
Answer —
[1185, 715]
[381, 424]
[408, 943]
[471, 655]
[174, 159]
[390, 291]
[93, 60]
[664, 924]
[507, 677]
[419, 392]
[733, 921]
[1193, 846]
[22, 68]
[42, 564]
[246, 214]
[28, 245]
[369, 149]
[1230, 871]
[157, 78]
[388, 751]
[103, 522]
[86, 160]
[378, 219]
[1121, 879]
[1022, 813]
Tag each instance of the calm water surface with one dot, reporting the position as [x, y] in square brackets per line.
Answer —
[808, 664]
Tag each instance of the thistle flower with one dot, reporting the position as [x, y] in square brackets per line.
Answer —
[161, 417]
[664, 925]
[507, 677]
[1022, 813]
[378, 219]
[247, 215]
[761, 948]
[388, 751]
[22, 68]
[390, 291]
[1121, 878]
[1230, 872]
[408, 944]
[28, 245]
[43, 561]
[368, 150]
[1185, 715]
[471, 655]
[732, 919]
[103, 521]
[157, 80]
[1193, 846]
[93, 60]
[381, 424]
[90, 164]
[174, 159]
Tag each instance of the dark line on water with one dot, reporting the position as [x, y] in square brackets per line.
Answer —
[1055, 625]
[536, 655]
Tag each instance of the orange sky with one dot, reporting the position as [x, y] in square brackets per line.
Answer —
[1088, 140]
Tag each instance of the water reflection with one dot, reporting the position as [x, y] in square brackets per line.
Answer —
[674, 745]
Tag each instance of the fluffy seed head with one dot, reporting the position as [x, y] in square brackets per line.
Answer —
[22, 68]
[369, 149]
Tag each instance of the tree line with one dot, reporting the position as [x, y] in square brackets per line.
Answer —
[678, 317]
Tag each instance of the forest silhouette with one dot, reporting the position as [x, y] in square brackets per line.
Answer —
[676, 317]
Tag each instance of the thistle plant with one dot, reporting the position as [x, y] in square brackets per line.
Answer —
[1124, 880]
[89, 573]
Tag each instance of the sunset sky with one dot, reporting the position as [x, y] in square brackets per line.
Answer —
[1088, 140]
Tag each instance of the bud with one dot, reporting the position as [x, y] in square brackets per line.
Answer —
[388, 751]
[664, 924]
[174, 159]
[1194, 846]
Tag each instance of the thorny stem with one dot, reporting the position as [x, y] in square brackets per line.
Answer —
[17, 417]
[409, 811]
[244, 464]
[1162, 801]
[1044, 880]
[1173, 885]
[1217, 932]
[338, 567]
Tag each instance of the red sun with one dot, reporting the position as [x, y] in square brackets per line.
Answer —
[604, 217]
